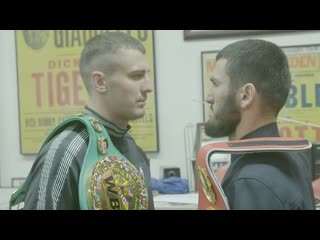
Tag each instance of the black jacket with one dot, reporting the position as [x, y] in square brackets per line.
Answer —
[277, 181]
[56, 171]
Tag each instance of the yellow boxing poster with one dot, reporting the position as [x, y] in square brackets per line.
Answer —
[300, 117]
[50, 87]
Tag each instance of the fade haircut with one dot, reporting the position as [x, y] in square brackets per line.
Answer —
[261, 63]
[104, 44]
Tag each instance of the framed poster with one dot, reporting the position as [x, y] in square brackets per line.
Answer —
[202, 34]
[301, 113]
[300, 117]
[50, 88]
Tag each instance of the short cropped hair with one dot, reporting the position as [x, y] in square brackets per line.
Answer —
[104, 44]
[261, 63]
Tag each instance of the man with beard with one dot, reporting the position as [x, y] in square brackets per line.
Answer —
[250, 85]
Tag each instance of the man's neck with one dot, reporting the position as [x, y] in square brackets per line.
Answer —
[248, 125]
[103, 112]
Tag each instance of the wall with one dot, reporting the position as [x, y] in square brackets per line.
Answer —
[178, 70]
[12, 163]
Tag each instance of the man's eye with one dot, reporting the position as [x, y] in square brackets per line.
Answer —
[137, 76]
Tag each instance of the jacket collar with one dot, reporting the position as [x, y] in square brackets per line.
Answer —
[269, 130]
[112, 128]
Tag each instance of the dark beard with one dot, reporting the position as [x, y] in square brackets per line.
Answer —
[225, 121]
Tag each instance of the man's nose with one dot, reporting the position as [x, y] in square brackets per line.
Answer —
[209, 99]
[147, 86]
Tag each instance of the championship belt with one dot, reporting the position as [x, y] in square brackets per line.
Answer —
[108, 181]
[211, 195]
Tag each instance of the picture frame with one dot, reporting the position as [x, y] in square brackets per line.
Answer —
[50, 87]
[205, 34]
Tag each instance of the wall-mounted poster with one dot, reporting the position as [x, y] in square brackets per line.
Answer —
[302, 110]
[300, 117]
[50, 87]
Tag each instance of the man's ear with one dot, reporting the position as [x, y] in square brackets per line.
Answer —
[247, 95]
[98, 81]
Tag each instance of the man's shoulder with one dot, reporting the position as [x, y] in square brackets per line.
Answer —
[72, 129]
[261, 166]
[68, 133]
